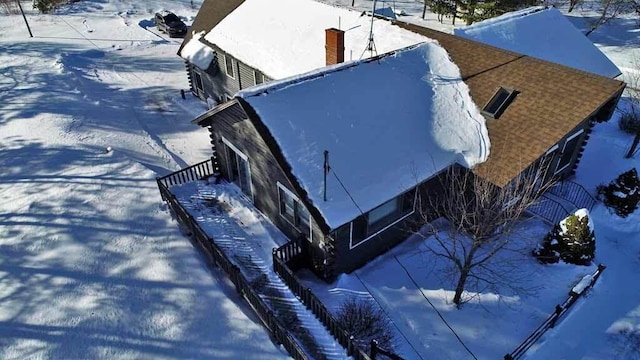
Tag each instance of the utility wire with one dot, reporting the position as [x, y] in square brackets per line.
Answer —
[434, 308]
[388, 316]
[358, 277]
[410, 278]
[347, 191]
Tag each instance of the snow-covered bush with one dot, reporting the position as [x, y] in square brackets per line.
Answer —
[629, 122]
[365, 322]
[45, 6]
[572, 241]
[622, 194]
[626, 342]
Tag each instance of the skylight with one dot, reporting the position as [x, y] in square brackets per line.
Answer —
[498, 102]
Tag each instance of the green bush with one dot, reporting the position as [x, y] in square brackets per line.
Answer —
[572, 241]
[622, 194]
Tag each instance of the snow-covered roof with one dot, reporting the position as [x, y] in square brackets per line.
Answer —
[197, 53]
[543, 33]
[283, 38]
[387, 125]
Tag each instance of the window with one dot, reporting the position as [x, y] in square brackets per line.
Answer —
[292, 210]
[228, 63]
[258, 77]
[198, 82]
[498, 102]
[567, 151]
[238, 168]
[381, 218]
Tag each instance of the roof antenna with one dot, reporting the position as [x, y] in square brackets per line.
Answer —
[371, 46]
[326, 171]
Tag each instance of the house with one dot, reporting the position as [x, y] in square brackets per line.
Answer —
[271, 140]
[339, 154]
[234, 45]
[544, 33]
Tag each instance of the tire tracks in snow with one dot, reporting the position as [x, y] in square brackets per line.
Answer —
[172, 161]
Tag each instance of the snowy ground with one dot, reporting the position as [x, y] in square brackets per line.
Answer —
[92, 265]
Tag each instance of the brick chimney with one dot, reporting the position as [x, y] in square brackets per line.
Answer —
[334, 46]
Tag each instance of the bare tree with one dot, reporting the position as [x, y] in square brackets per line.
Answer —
[481, 217]
[609, 10]
[631, 112]
[573, 4]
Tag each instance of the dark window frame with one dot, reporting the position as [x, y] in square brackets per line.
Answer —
[406, 206]
[199, 85]
[258, 75]
[228, 66]
[565, 155]
[301, 218]
[386, 218]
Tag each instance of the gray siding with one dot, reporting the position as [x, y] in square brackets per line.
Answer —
[265, 170]
[217, 84]
[348, 258]
[246, 75]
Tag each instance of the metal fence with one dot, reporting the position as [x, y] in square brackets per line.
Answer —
[573, 193]
[549, 209]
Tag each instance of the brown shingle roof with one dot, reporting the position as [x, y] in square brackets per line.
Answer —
[552, 100]
[210, 14]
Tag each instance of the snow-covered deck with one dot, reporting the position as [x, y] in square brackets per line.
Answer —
[246, 238]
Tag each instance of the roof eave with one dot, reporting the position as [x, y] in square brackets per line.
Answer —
[206, 118]
[275, 150]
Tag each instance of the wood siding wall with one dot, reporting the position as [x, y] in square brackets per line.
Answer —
[217, 84]
[349, 258]
[265, 171]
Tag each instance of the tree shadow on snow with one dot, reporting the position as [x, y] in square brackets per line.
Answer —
[88, 271]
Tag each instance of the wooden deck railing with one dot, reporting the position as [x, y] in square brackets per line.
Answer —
[288, 252]
[195, 172]
[216, 257]
[552, 320]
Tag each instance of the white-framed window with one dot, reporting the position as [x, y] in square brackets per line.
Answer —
[258, 78]
[383, 217]
[199, 87]
[293, 211]
[228, 65]
[238, 168]
[568, 150]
